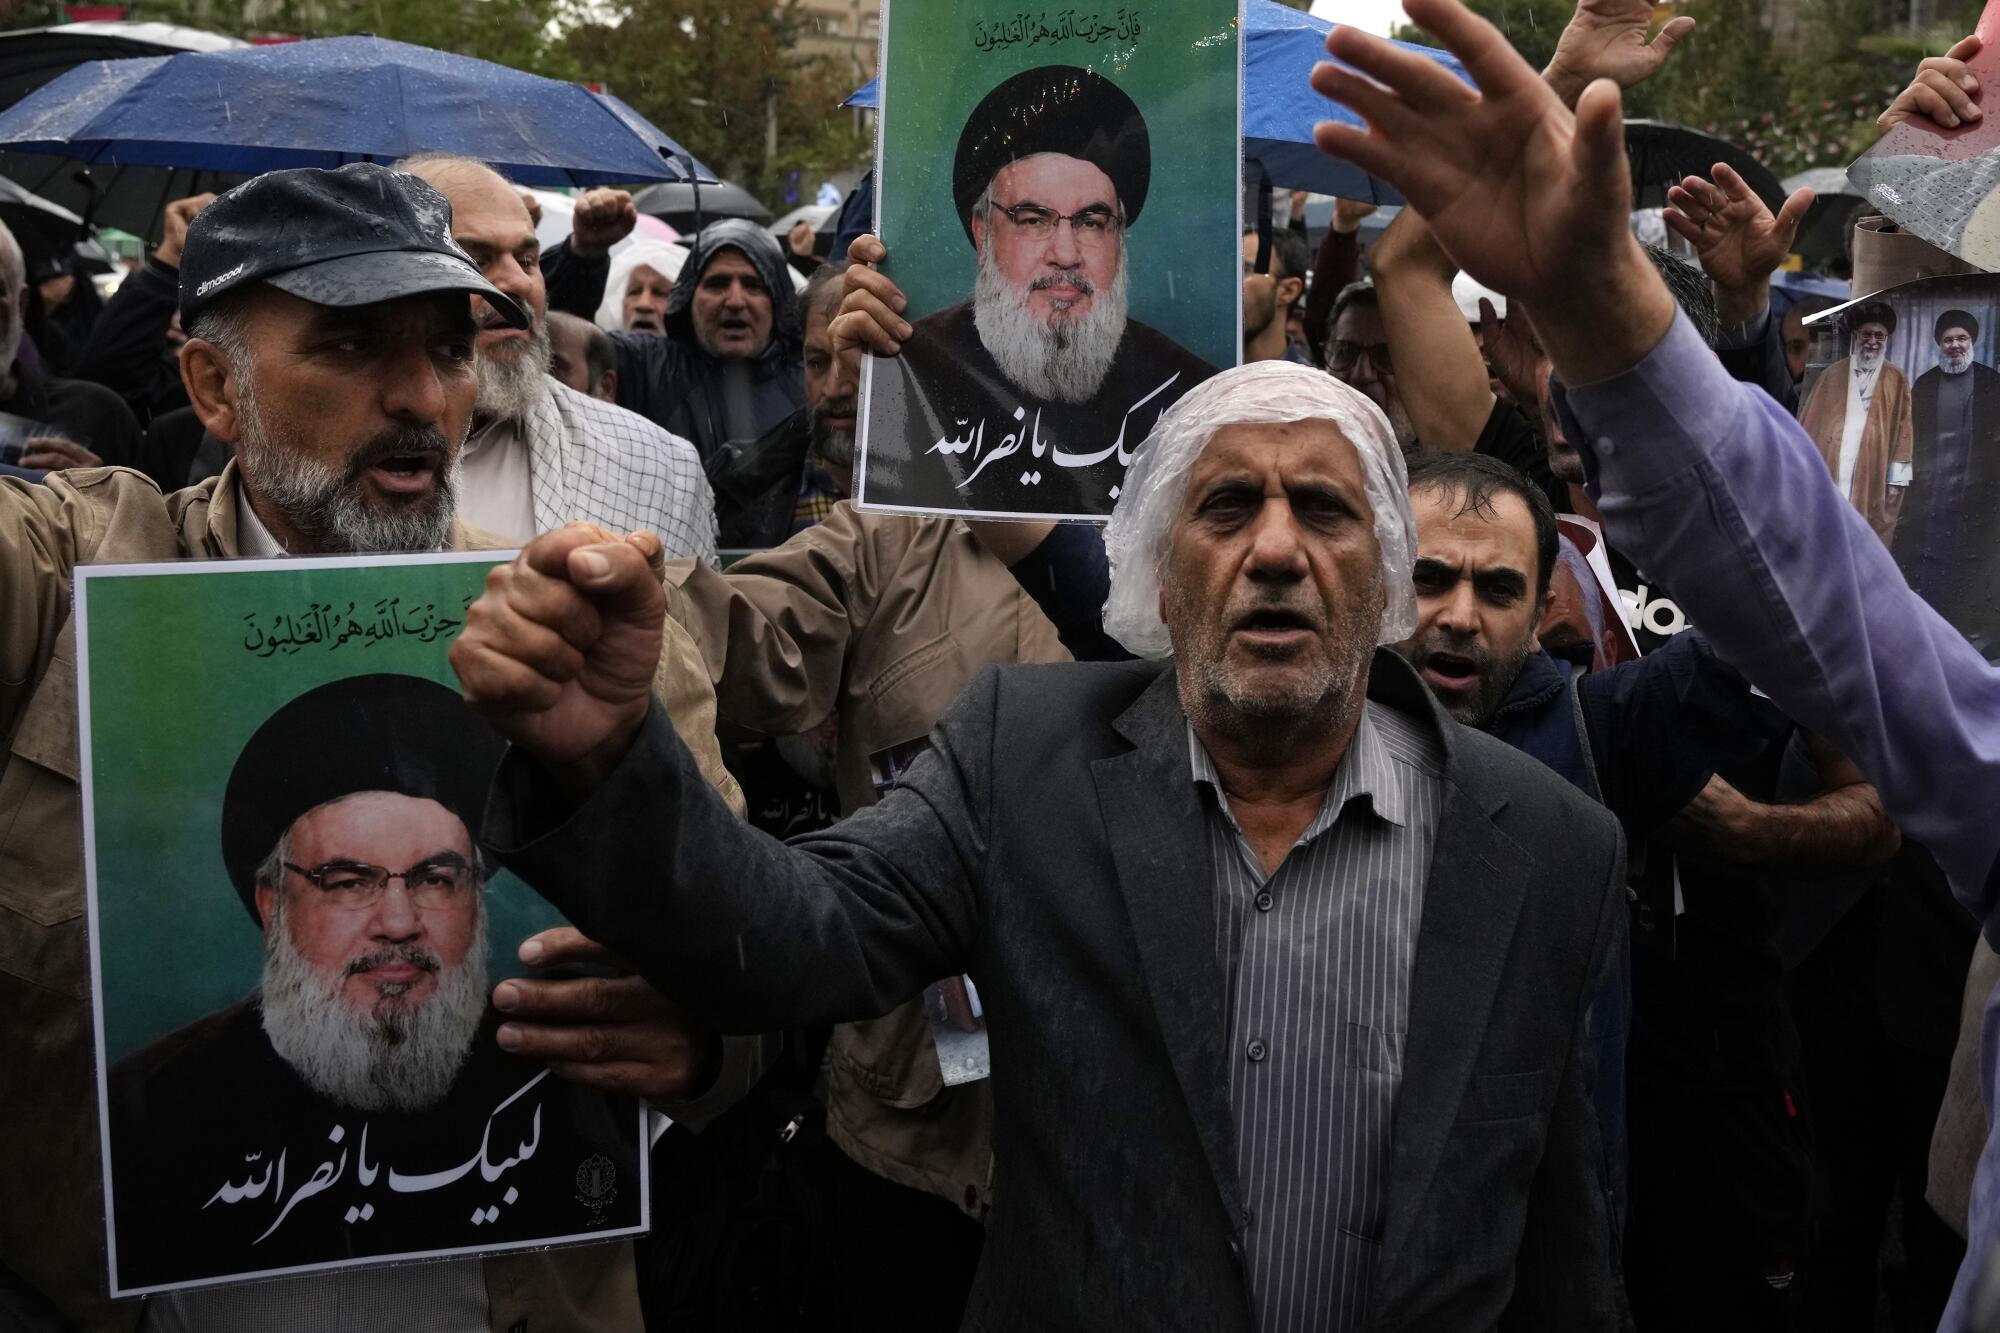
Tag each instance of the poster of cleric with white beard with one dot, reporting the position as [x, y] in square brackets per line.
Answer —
[1902, 395]
[1059, 192]
[295, 934]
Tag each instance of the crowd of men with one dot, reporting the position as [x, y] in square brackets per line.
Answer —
[1372, 930]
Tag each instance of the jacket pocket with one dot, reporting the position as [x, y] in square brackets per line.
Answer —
[1493, 1097]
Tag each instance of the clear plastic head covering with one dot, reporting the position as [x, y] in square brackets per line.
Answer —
[663, 257]
[1150, 498]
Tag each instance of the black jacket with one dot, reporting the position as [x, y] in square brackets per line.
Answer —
[128, 352]
[668, 378]
[1051, 843]
[757, 484]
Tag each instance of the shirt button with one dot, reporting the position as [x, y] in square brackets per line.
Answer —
[1264, 901]
[1255, 1050]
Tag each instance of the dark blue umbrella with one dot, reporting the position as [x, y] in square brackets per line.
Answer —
[1280, 47]
[332, 100]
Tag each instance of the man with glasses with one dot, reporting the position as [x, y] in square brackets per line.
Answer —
[1357, 353]
[362, 869]
[1860, 415]
[1025, 390]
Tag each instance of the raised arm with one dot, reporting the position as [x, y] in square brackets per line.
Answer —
[1702, 481]
[1441, 375]
[601, 809]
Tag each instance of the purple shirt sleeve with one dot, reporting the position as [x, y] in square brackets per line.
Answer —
[1711, 487]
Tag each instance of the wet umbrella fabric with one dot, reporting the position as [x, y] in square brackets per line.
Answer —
[1663, 154]
[1280, 47]
[674, 204]
[333, 100]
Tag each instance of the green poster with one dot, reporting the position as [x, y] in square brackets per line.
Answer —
[1059, 191]
[295, 930]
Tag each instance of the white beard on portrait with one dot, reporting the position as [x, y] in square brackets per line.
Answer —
[1062, 360]
[394, 1056]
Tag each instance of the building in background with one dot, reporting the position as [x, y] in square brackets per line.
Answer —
[849, 30]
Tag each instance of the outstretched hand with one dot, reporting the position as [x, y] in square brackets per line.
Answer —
[1739, 241]
[560, 649]
[1606, 39]
[1529, 199]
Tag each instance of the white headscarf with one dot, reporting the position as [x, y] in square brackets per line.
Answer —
[1265, 391]
[662, 257]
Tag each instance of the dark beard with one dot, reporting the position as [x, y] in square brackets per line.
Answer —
[832, 446]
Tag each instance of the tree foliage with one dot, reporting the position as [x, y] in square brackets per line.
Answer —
[708, 72]
[1790, 108]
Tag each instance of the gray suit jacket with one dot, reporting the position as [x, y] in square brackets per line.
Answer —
[1051, 844]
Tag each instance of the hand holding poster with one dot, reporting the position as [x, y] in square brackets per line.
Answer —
[1059, 193]
[293, 926]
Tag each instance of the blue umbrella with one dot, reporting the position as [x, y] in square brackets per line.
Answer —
[332, 100]
[1280, 47]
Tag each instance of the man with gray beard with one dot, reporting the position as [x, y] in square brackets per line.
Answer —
[332, 345]
[1018, 400]
[1948, 541]
[364, 873]
[542, 454]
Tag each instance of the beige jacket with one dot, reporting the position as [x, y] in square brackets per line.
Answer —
[882, 618]
[51, 1193]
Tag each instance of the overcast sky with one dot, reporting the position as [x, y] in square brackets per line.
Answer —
[1369, 15]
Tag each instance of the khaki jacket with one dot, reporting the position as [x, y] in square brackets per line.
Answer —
[882, 618]
[51, 1192]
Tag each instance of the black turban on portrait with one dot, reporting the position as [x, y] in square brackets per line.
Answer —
[1955, 319]
[1870, 312]
[1054, 109]
[392, 733]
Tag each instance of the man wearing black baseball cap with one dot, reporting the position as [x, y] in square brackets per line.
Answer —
[332, 345]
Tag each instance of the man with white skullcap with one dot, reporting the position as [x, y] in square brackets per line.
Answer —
[1285, 971]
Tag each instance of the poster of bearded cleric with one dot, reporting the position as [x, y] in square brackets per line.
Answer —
[1902, 395]
[295, 931]
[1059, 192]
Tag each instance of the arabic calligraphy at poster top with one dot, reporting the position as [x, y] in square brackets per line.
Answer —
[1059, 197]
[292, 792]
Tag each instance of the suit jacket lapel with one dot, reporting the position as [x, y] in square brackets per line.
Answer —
[1478, 879]
[1156, 828]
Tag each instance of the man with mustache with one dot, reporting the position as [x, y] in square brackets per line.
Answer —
[1251, 1055]
[1053, 167]
[332, 344]
[1945, 542]
[1859, 415]
[540, 453]
[363, 870]
[725, 366]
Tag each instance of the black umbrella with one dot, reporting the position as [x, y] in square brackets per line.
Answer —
[673, 202]
[1663, 155]
[1830, 220]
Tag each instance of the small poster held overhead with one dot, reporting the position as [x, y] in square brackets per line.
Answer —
[1059, 194]
[294, 930]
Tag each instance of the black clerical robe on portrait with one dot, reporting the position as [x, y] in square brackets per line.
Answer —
[947, 430]
[1948, 535]
[214, 1136]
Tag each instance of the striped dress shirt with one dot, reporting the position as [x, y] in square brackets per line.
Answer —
[1316, 958]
